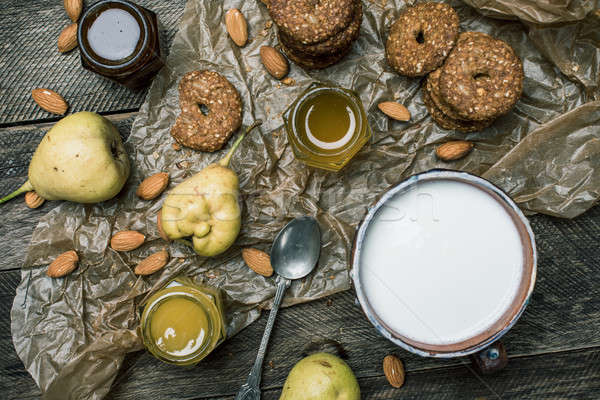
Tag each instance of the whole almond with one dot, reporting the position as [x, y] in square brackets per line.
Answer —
[453, 150]
[152, 263]
[153, 186]
[258, 261]
[236, 26]
[161, 232]
[393, 370]
[63, 264]
[274, 62]
[73, 8]
[33, 200]
[67, 40]
[50, 101]
[127, 240]
[394, 110]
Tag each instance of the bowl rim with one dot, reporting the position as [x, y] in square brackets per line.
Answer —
[505, 322]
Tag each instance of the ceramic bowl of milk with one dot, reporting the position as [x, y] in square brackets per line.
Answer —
[444, 264]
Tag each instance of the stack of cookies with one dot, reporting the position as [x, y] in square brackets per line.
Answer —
[481, 79]
[316, 33]
[472, 78]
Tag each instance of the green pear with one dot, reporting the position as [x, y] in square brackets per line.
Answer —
[321, 376]
[81, 159]
[205, 207]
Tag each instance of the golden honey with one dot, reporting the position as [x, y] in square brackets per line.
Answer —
[326, 126]
[183, 322]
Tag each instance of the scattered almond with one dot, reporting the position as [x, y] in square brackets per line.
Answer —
[236, 26]
[63, 264]
[394, 110]
[73, 8]
[288, 81]
[33, 200]
[176, 146]
[67, 40]
[453, 150]
[50, 101]
[258, 261]
[152, 263]
[127, 240]
[274, 61]
[393, 370]
[268, 24]
[153, 186]
[161, 232]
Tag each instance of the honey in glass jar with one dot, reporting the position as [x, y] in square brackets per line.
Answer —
[183, 322]
[326, 126]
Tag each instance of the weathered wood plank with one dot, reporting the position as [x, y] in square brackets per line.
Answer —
[547, 326]
[15, 382]
[29, 59]
[572, 375]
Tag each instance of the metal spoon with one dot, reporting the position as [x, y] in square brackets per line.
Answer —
[294, 255]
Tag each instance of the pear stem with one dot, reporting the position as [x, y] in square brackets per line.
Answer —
[26, 187]
[225, 160]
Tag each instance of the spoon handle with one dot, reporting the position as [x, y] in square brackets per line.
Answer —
[251, 389]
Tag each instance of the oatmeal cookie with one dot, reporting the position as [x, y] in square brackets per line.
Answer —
[211, 110]
[311, 62]
[334, 44]
[449, 123]
[311, 21]
[482, 78]
[421, 38]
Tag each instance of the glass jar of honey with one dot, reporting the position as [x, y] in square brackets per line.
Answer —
[119, 40]
[183, 322]
[326, 126]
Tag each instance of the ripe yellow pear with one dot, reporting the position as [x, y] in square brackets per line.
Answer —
[81, 159]
[321, 376]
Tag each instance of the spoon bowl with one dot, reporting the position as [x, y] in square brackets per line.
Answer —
[296, 248]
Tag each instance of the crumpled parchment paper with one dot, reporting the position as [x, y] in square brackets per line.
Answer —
[541, 12]
[73, 333]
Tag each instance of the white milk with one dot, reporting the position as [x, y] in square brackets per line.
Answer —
[441, 262]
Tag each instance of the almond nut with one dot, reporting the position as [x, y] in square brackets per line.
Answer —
[153, 186]
[236, 26]
[152, 263]
[127, 240]
[50, 101]
[161, 232]
[454, 150]
[394, 110]
[33, 200]
[67, 40]
[73, 8]
[393, 370]
[274, 61]
[258, 261]
[63, 264]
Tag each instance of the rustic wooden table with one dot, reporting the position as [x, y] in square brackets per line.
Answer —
[554, 349]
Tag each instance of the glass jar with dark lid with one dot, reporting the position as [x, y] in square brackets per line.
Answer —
[118, 39]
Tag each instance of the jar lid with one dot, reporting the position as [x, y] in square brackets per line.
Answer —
[133, 24]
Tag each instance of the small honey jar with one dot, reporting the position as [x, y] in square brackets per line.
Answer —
[118, 39]
[183, 322]
[326, 126]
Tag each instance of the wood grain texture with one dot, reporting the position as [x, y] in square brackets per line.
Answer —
[564, 313]
[572, 375]
[29, 59]
[551, 375]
